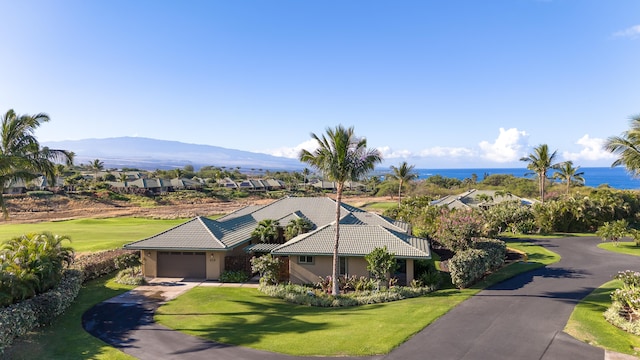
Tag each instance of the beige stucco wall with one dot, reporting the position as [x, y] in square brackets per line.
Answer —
[149, 263]
[410, 274]
[215, 264]
[322, 266]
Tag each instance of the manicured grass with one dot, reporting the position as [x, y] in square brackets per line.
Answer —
[381, 205]
[65, 338]
[626, 247]
[246, 317]
[589, 325]
[94, 234]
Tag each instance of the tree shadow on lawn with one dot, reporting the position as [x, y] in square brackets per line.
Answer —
[249, 327]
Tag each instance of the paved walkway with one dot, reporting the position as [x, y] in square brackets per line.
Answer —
[521, 318]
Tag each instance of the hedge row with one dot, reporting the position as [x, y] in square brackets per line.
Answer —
[470, 265]
[102, 263]
[20, 318]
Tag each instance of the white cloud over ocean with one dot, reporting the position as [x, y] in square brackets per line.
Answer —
[592, 150]
[506, 148]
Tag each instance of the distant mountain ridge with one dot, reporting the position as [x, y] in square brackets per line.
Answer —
[151, 154]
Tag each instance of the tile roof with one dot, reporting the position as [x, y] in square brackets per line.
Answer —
[356, 240]
[235, 228]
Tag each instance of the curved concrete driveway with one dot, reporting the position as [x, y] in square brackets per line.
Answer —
[521, 318]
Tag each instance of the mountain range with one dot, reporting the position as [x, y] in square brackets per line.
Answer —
[151, 154]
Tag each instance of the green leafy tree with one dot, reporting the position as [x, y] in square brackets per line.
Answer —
[539, 162]
[402, 174]
[613, 231]
[569, 174]
[340, 157]
[268, 267]
[266, 231]
[21, 156]
[627, 147]
[380, 262]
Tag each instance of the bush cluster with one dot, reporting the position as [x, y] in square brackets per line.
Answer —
[470, 265]
[303, 295]
[18, 319]
[130, 276]
[234, 276]
[102, 263]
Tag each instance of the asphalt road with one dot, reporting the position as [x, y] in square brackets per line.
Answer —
[521, 318]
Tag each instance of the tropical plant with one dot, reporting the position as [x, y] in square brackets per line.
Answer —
[456, 229]
[268, 267]
[539, 162]
[403, 174]
[297, 227]
[568, 174]
[379, 263]
[97, 166]
[627, 147]
[21, 157]
[340, 157]
[267, 230]
[613, 231]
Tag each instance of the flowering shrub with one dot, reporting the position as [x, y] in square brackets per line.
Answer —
[456, 229]
[268, 267]
[628, 296]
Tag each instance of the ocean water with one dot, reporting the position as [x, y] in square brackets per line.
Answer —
[617, 177]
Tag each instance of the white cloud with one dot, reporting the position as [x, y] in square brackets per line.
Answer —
[293, 152]
[592, 149]
[443, 151]
[388, 153]
[632, 32]
[506, 148]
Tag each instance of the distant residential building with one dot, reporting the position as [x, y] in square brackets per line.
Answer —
[479, 199]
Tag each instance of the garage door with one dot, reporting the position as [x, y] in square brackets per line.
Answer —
[183, 264]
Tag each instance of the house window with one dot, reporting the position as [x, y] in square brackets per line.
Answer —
[304, 259]
[344, 269]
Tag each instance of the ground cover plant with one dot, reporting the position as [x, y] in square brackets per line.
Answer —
[65, 338]
[94, 234]
[588, 324]
[246, 317]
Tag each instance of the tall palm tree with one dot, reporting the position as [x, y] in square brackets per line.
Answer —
[568, 174]
[21, 156]
[305, 173]
[540, 161]
[341, 157]
[297, 226]
[627, 147]
[403, 174]
[97, 166]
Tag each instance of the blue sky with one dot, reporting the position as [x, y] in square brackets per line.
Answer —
[440, 84]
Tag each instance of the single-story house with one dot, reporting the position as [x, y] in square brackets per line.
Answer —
[479, 199]
[199, 247]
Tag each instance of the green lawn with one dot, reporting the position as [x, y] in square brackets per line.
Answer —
[246, 317]
[94, 234]
[588, 324]
[626, 247]
[380, 205]
[65, 338]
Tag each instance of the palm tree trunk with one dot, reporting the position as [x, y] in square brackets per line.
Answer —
[334, 276]
[400, 193]
[542, 177]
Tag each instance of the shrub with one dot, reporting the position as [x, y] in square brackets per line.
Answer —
[268, 267]
[234, 276]
[130, 276]
[430, 276]
[18, 319]
[380, 262]
[39, 193]
[102, 263]
[457, 228]
[468, 266]
[303, 295]
[496, 251]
